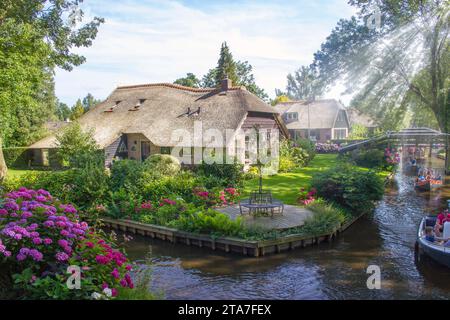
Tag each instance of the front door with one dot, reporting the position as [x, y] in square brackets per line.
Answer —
[145, 150]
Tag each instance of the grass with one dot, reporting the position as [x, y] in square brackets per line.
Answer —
[286, 186]
[16, 173]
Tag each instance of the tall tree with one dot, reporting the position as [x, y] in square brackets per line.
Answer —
[303, 84]
[77, 110]
[239, 72]
[189, 81]
[63, 111]
[406, 55]
[226, 66]
[89, 102]
[36, 36]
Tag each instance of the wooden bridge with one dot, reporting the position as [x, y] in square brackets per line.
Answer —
[407, 137]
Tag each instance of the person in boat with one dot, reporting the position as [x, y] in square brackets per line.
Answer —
[429, 234]
[437, 229]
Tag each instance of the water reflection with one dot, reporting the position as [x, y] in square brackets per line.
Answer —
[330, 271]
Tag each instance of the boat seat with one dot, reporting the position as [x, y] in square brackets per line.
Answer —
[430, 221]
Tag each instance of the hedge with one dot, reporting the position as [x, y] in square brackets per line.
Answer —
[17, 157]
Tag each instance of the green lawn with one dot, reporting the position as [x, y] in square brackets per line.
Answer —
[15, 173]
[286, 186]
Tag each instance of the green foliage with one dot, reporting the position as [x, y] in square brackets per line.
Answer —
[24, 77]
[189, 81]
[16, 157]
[180, 185]
[122, 204]
[392, 88]
[125, 174]
[292, 156]
[36, 36]
[226, 66]
[89, 102]
[239, 72]
[350, 187]
[72, 144]
[251, 173]
[326, 218]
[358, 132]
[308, 146]
[371, 158]
[286, 164]
[166, 214]
[210, 222]
[80, 186]
[77, 110]
[303, 84]
[63, 111]
[162, 165]
[221, 175]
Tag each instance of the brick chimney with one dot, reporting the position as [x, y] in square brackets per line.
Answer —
[226, 84]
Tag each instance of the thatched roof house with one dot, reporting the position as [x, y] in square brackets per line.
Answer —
[324, 119]
[137, 121]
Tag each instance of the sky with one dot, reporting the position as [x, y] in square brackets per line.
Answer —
[148, 41]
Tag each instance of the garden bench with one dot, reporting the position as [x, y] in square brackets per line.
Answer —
[261, 202]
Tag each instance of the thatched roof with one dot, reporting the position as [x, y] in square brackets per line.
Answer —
[323, 113]
[164, 110]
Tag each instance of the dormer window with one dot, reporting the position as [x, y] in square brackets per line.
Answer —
[292, 116]
[113, 107]
[137, 105]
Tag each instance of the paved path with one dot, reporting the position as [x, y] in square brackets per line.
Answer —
[293, 216]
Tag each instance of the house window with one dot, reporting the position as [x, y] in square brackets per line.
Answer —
[340, 134]
[247, 147]
[314, 135]
[165, 150]
[291, 116]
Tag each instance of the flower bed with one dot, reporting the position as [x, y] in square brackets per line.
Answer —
[327, 147]
[40, 238]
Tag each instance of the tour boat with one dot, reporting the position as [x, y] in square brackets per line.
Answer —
[427, 185]
[437, 252]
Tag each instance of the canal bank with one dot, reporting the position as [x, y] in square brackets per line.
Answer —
[335, 270]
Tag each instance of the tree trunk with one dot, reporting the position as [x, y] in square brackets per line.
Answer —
[3, 167]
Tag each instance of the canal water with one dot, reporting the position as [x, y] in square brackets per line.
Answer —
[337, 270]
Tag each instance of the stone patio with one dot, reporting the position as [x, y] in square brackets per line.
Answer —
[292, 217]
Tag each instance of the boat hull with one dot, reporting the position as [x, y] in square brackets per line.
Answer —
[438, 253]
[427, 185]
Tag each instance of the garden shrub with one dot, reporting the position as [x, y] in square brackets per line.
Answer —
[40, 237]
[122, 204]
[350, 187]
[164, 213]
[162, 165]
[222, 175]
[215, 197]
[180, 185]
[18, 157]
[81, 186]
[125, 174]
[252, 173]
[309, 147]
[372, 158]
[291, 156]
[72, 142]
[326, 218]
[210, 222]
